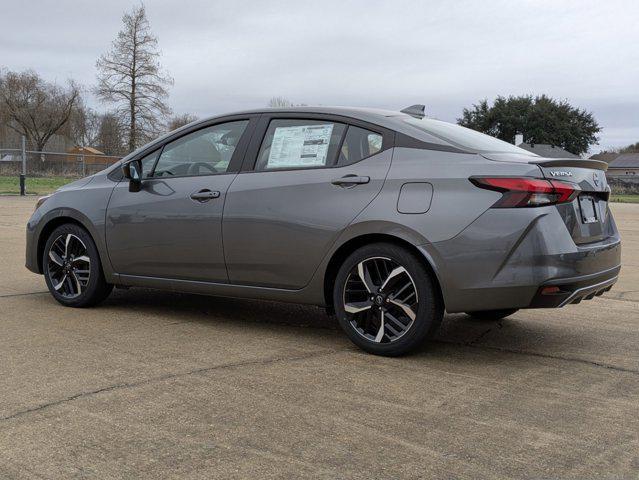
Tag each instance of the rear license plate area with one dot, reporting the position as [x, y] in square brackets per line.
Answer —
[588, 209]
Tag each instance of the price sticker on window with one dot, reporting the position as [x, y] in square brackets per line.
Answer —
[300, 146]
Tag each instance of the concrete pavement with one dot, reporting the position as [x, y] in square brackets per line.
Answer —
[165, 385]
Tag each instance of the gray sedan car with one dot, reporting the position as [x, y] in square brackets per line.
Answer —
[385, 218]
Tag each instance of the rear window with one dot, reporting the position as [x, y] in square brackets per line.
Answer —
[358, 144]
[464, 137]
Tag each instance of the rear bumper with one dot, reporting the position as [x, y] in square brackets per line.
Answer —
[561, 292]
[505, 259]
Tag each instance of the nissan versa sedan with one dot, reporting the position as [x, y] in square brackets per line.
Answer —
[385, 218]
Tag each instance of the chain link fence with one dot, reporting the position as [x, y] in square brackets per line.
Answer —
[30, 172]
[624, 185]
[52, 164]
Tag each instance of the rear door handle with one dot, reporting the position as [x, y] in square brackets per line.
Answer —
[350, 180]
[204, 195]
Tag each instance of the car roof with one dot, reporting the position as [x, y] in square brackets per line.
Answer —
[372, 115]
[390, 119]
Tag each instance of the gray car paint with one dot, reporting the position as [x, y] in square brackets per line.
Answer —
[161, 232]
[415, 197]
[279, 225]
[84, 203]
[282, 249]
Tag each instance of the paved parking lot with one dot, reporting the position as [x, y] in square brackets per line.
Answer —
[163, 385]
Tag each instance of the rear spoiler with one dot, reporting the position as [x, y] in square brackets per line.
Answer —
[571, 162]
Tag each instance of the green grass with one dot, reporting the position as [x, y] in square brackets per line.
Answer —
[34, 185]
[625, 198]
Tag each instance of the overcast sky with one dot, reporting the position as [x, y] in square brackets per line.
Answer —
[230, 55]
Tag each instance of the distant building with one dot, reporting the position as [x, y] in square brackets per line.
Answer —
[605, 157]
[87, 160]
[548, 151]
[91, 155]
[625, 165]
[11, 157]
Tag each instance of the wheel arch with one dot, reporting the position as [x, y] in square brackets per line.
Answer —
[61, 217]
[340, 254]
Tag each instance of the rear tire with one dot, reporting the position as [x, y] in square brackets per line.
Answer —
[72, 268]
[386, 300]
[486, 315]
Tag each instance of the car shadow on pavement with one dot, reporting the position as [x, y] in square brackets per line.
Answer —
[206, 309]
[458, 331]
[530, 336]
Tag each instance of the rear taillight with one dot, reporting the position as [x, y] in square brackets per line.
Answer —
[527, 192]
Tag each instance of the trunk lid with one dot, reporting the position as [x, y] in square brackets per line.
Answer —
[587, 216]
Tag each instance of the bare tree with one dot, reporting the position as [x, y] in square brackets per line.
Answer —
[178, 121]
[130, 76]
[278, 102]
[85, 126]
[282, 102]
[110, 135]
[35, 108]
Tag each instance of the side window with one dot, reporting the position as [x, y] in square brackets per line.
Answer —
[299, 144]
[148, 162]
[359, 143]
[204, 152]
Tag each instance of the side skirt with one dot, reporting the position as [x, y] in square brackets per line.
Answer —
[304, 295]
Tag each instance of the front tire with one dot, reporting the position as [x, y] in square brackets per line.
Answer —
[386, 300]
[72, 268]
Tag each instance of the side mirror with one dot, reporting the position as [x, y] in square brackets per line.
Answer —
[133, 171]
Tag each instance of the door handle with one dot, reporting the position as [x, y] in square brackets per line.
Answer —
[204, 195]
[350, 181]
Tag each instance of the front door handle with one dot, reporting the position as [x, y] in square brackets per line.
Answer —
[204, 195]
[350, 181]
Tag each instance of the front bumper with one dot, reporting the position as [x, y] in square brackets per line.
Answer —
[31, 253]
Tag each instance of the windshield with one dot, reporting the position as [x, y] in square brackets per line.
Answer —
[464, 137]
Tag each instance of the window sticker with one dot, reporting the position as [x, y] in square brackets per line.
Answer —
[300, 146]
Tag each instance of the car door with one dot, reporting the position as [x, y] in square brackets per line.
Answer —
[172, 227]
[306, 181]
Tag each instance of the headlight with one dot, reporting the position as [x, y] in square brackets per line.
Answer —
[41, 200]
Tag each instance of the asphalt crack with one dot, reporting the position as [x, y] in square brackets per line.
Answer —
[8, 295]
[169, 376]
[473, 344]
[560, 357]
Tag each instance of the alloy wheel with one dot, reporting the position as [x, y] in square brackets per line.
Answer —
[380, 299]
[68, 265]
